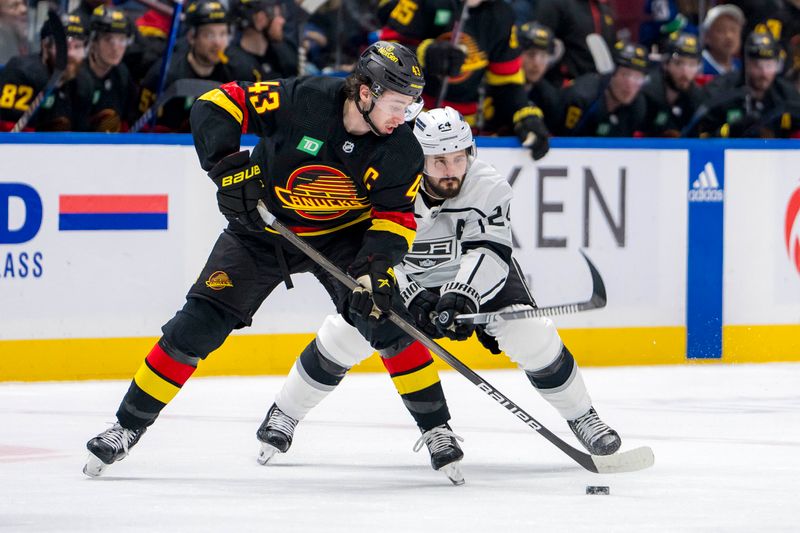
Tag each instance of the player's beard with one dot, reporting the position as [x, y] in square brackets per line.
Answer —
[435, 190]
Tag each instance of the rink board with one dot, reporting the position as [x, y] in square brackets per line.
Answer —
[99, 242]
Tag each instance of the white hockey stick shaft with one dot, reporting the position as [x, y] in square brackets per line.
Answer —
[628, 461]
[597, 301]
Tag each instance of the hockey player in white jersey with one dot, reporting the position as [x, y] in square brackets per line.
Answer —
[460, 262]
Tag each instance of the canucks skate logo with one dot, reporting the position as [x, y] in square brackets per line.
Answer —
[218, 280]
[320, 192]
[428, 254]
[706, 187]
[792, 229]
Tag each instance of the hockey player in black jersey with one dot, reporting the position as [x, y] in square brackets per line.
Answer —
[208, 38]
[671, 94]
[113, 92]
[261, 48]
[338, 165]
[24, 77]
[608, 105]
[461, 262]
[487, 52]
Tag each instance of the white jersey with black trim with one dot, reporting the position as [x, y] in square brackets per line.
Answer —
[465, 239]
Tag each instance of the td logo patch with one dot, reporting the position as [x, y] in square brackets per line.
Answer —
[309, 145]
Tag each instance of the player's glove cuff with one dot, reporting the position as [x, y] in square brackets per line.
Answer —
[410, 292]
[462, 288]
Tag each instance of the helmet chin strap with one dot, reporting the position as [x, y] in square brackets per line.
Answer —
[365, 115]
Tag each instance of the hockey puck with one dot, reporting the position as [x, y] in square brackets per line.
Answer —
[598, 489]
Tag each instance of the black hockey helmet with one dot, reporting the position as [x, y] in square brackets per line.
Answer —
[535, 35]
[73, 27]
[206, 12]
[107, 19]
[761, 45]
[631, 55]
[683, 44]
[243, 10]
[390, 66]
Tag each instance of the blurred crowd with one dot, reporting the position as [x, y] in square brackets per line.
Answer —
[530, 68]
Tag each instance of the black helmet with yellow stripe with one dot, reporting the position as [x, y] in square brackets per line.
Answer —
[392, 66]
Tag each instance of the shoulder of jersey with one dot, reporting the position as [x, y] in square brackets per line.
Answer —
[403, 140]
[29, 66]
[483, 182]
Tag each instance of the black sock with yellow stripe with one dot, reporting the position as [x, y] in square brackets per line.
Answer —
[418, 383]
[157, 381]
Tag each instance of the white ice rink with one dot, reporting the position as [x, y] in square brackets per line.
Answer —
[726, 441]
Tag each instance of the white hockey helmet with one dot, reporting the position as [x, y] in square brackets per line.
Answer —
[442, 131]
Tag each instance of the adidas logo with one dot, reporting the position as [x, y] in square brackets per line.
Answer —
[706, 187]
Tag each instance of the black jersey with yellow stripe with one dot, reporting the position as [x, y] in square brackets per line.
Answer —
[489, 39]
[319, 177]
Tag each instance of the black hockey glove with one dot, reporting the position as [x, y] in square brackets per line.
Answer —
[456, 298]
[440, 58]
[421, 304]
[374, 297]
[531, 131]
[240, 188]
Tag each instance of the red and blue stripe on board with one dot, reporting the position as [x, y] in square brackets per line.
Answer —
[112, 212]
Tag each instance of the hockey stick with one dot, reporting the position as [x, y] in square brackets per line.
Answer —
[173, 34]
[60, 40]
[601, 56]
[457, 25]
[183, 87]
[597, 301]
[628, 461]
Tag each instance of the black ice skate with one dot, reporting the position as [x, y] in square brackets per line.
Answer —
[110, 446]
[275, 434]
[594, 434]
[445, 451]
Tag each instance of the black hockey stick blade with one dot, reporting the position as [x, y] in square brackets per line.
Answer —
[628, 461]
[59, 36]
[597, 301]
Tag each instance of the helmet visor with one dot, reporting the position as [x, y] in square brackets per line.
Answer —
[395, 107]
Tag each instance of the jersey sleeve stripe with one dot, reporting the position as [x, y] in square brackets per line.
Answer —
[498, 79]
[219, 98]
[379, 224]
[506, 68]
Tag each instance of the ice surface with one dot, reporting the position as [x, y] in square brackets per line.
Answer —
[726, 440]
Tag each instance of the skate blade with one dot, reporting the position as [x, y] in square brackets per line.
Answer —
[94, 467]
[265, 453]
[453, 473]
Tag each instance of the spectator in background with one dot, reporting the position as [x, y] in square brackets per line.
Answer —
[755, 102]
[149, 43]
[24, 77]
[608, 105]
[671, 94]
[337, 32]
[723, 37]
[538, 48]
[13, 29]
[207, 39]
[487, 49]
[113, 92]
[261, 49]
[571, 21]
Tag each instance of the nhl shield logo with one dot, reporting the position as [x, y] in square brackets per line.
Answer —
[347, 147]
